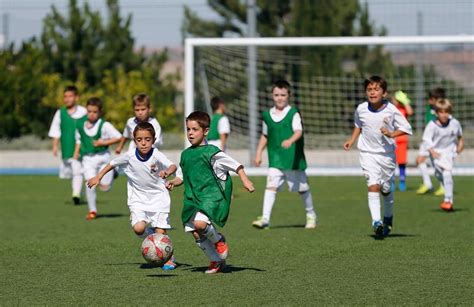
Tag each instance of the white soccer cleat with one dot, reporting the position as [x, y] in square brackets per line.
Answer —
[310, 221]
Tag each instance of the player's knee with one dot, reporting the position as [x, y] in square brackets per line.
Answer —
[374, 188]
[200, 226]
[104, 187]
[139, 228]
[272, 189]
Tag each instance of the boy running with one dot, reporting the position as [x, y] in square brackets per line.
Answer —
[282, 134]
[378, 122]
[62, 131]
[443, 140]
[148, 199]
[207, 190]
[220, 126]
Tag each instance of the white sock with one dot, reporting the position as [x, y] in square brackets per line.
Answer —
[91, 199]
[448, 186]
[308, 202]
[374, 206]
[268, 202]
[77, 185]
[208, 248]
[388, 205]
[211, 233]
[426, 176]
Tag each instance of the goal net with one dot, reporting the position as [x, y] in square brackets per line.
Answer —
[327, 77]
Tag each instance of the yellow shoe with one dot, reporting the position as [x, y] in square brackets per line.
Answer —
[423, 189]
[439, 191]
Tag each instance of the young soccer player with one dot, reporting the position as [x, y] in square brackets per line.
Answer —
[204, 170]
[402, 102]
[142, 109]
[220, 126]
[377, 123]
[93, 137]
[282, 134]
[146, 168]
[62, 131]
[443, 140]
[430, 114]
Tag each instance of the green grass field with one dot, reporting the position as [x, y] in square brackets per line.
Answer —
[51, 255]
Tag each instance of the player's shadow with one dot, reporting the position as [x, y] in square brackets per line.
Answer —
[111, 215]
[147, 266]
[455, 210]
[287, 226]
[164, 275]
[228, 269]
[392, 236]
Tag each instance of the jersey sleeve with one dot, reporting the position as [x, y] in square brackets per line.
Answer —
[158, 136]
[223, 163]
[264, 128]
[428, 135]
[179, 173]
[120, 160]
[223, 126]
[126, 132]
[357, 121]
[296, 123]
[109, 132]
[163, 160]
[401, 123]
[55, 128]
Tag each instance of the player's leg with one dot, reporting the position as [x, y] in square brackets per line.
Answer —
[426, 186]
[160, 222]
[372, 173]
[401, 155]
[387, 165]
[447, 204]
[89, 164]
[298, 182]
[275, 179]
[77, 180]
[205, 228]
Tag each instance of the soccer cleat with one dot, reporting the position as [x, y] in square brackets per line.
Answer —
[76, 200]
[91, 215]
[261, 223]
[310, 221]
[446, 206]
[222, 248]
[378, 229]
[423, 189]
[402, 186]
[439, 191]
[215, 267]
[169, 265]
[387, 225]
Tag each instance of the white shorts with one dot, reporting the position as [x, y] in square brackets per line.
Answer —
[198, 216]
[423, 151]
[445, 162]
[69, 168]
[378, 168]
[92, 164]
[155, 219]
[296, 179]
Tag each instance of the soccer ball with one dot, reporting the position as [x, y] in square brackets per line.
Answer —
[157, 249]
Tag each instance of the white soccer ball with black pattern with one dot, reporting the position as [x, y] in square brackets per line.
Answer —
[157, 249]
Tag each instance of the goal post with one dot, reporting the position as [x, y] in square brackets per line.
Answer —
[251, 124]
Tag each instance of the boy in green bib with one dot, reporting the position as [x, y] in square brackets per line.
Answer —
[204, 170]
[62, 131]
[220, 126]
[282, 134]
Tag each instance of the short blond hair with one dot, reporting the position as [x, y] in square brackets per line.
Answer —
[443, 105]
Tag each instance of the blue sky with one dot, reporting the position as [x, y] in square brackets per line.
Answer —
[156, 23]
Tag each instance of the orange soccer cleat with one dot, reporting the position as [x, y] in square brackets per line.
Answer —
[91, 215]
[222, 248]
[446, 206]
[215, 267]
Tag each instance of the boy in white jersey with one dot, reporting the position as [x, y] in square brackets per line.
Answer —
[443, 140]
[282, 134]
[378, 123]
[142, 109]
[93, 137]
[220, 126]
[62, 131]
[146, 168]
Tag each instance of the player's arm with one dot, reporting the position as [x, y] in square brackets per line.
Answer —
[176, 181]
[96, 180]
[427, 139]
[111, 136]
[77, 147]
[295, 137]
[460, 145]
[355, 134]
[120, 145]
[55, 146]
[248, 185]
[168, 172]
[262, 143]
[392, 134]
[55, 132]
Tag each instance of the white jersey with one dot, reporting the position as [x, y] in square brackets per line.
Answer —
[296, 123]
[442, 138]
[55, 128]
[371, 121]
[108, 131]
[221, 163]
[130, 126]
[146, 190]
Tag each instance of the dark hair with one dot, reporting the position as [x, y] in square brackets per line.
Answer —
[95, 101]
[282, 84]
[71, 88]
[216, 101]
[144, 126]
[141, 98]
[378, 80]
[202, 118]
[437, 93]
